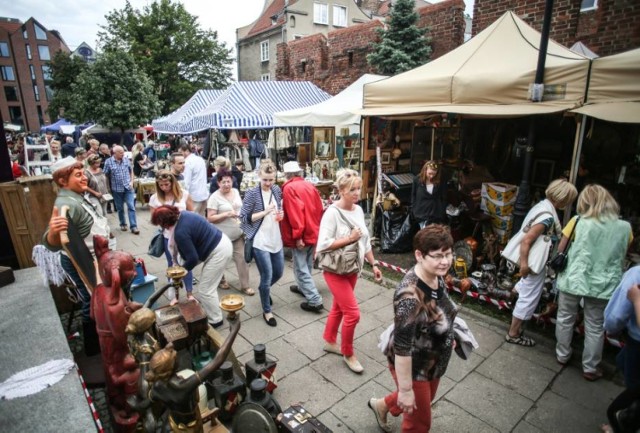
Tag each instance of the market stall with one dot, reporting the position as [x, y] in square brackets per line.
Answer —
[179, 120]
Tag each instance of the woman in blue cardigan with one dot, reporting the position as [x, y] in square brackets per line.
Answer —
[192, 240]
[261, 215]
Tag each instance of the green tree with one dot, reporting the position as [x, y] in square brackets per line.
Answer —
[403, 46]
[169, 45]
[64, 70]
[113, 92]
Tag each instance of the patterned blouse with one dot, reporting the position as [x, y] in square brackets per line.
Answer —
[426, 336]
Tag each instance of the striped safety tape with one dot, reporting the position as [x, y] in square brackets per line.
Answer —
[94, 412]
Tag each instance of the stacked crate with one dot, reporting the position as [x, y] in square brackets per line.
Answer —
[498, 200]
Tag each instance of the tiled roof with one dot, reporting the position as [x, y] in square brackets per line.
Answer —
[264, 22]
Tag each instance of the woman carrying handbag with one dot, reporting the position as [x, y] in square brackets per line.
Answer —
[342, 225]
[540, 220]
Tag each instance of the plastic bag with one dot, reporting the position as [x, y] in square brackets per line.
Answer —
[398, 230]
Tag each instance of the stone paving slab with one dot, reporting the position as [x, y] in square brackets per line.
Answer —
[310, 389]
[335, 370]
[556, 414]
[590, 395]
[450, 418]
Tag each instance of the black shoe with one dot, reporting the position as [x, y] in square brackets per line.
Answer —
[313, 308]
[296, 289]
[109, 211]
[217, 324]
[271, 321]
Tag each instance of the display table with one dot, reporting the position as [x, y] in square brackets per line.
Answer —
[30, 335]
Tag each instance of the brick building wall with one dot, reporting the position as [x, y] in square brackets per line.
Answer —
[611, 28]
[335, 61]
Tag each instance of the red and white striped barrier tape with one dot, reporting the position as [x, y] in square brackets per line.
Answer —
[94, 412]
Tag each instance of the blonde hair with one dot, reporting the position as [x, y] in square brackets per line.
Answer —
[346, 178]
[221, 162]
[176, 190]
[93, 141]
[267, 167]
[137, 148]
[596, 202]
[561, 193]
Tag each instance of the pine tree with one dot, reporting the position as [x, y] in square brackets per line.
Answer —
[403, 46]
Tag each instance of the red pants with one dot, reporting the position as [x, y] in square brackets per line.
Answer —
[419, 421]
[343, 309]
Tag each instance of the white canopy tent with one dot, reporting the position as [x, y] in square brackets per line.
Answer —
[340, 110]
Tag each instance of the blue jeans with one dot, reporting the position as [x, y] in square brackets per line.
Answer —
[302, 267]
[628, 362]
[188, 279]
[85, 298]
[128, 197]
[270, 266]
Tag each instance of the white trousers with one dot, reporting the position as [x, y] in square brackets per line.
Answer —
[529, 293]
[593, 329]
[212, 271]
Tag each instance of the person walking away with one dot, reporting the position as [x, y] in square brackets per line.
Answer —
[302, 207]
[420, 345]
[594, 268]
[543, 218]
[223, 210]
[195, 241]
[334, 233]
[195, 178]
[120, 174]
[260, 214]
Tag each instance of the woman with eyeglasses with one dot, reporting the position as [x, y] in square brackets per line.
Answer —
[261, 214]
[335, 233]
[223, 209]
[97, 185]
[419, 347]
[429, 196]
[168, 192]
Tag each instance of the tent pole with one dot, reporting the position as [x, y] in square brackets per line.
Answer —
[575, 160]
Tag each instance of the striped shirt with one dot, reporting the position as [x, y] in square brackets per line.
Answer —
[251, 204]
[119, 173]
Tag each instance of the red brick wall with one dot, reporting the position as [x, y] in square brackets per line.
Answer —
[612, 28]
[336, 61]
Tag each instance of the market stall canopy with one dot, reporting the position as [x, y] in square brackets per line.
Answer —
[337, 111]
[99, 129]
[614, 88]
[179, 120]
[55, 127]
[487, 76]
[251, 104]
[12, 127]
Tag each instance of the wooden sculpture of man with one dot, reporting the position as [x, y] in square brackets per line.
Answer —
[111, 311]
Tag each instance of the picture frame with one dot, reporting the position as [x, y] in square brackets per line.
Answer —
[385, 158]
[323, 144]
[378, 133]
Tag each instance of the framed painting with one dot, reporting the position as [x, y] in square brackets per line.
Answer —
[323, 143]
[378, 133]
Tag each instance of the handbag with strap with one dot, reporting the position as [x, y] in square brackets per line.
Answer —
[539, 252]
[156, 246]
[344, 260]
[559, 262]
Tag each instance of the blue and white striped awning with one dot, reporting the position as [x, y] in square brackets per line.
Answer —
[180, 119]
[251, 104]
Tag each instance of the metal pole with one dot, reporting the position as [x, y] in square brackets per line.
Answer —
[523, 199]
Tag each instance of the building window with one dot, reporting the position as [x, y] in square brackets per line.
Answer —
[588, 5]
[43, 52]
[15, 114]
[350, 58]
[340, 16]
[11, 93]
[29, 55]
[41, 33]
[7, 73]
[40, 116]
[265, 77]
[36, 92]
[33, 72]
[292, 22]
[46, 72]
[48, 91]
[264, 51]
[25, 34]
[4, 49]
[321, 13]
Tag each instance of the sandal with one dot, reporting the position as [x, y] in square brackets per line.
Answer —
[520, 340]
[248, 291]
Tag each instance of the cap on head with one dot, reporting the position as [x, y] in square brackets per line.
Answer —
[292, 167]
[63, 163]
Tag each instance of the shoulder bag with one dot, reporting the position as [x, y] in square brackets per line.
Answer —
[539, 252]
[342, 261]
[559, 262]
[156, 246]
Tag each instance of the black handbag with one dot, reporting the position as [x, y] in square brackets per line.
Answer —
[248, 250]
[559, 262]
[156, 246]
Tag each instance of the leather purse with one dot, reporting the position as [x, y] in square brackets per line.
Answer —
[344, 260]
[559, 262]
[539, 252]
[156, 246]
[248, 250]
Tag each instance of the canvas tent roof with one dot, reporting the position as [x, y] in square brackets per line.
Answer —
[487, 76]
[251, 104]
[55, 127]
[614, 88]
[336, 111]
[174, 122]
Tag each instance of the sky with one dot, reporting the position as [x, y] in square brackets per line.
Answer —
[80, 22]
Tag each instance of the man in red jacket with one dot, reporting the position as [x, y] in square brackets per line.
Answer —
[299, 228]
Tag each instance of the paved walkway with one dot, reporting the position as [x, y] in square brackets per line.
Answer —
[501, 388]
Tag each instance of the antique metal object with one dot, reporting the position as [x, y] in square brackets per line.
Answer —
[231, 304]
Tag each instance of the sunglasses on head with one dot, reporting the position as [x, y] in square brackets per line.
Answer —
[165, 176]
[432, 165]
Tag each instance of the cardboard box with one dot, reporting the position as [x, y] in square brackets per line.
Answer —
[496, 209]
[501, 193]
[502, 222]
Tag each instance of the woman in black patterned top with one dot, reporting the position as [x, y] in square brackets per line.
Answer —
[421, 343]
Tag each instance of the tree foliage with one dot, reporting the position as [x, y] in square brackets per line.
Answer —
[403, 46]
[64, 69]
[169, 45]
[113, 92]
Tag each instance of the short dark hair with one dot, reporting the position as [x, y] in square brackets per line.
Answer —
[223, 172]
[165, 216]
[238, 162]
[185, 146]
[432, 238]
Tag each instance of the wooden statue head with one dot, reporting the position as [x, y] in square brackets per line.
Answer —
[116, 268]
